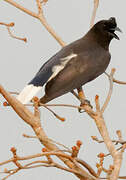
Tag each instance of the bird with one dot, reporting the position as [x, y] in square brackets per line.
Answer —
[74, 65]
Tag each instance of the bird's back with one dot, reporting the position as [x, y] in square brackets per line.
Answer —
[86, 66]
[75, 64]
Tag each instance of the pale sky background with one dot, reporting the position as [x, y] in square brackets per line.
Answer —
[19, 62]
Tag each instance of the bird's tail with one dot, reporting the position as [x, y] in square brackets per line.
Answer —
[28, 93]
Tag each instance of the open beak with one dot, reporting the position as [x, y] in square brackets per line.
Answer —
[116, 29]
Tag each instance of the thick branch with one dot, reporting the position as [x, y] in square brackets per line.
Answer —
[99, 120]
[34, 122]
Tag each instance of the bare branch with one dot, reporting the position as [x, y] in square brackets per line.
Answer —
[39, 16]
[18, 6]
[59, 154]
[87, 166]
[34, 122]
[9, 31]
[55, 142]
[50, 30]
[97, 103]
[57, 105]
[96, 3]
[117, 156]
[115, 80]
[110, 91]
[56, 115]
[100, 123]
[16, 37]
[7, 25]
[122, 177]
[12, 92]
[114, 141]
[39, 5]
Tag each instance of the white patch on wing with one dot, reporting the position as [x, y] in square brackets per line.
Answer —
[57, 68]
[28, 93]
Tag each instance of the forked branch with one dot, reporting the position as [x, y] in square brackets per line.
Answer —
[34, 122]
[39, 16]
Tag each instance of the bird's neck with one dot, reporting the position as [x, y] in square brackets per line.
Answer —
[99, 38]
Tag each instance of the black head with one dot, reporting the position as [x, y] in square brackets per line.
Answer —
[107, 28]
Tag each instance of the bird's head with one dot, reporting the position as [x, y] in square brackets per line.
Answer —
[107, 28]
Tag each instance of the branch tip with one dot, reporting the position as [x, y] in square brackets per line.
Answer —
[96, 97]
[5, 103]
[35, 99]
[94, 138]
[13, 150]
[74, 151]
[101, 155]
[44, 150]
[25, 40]
[113, 70]
[11, 24]
[79, 143]
[60, 118]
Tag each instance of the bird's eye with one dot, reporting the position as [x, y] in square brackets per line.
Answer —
[111, 19]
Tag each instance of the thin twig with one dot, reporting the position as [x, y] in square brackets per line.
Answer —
[62, 105]
[116, 150]
[18, 6]
[57, 166]
[56, 115]
[29, 136]
[12, 92]
[9, 31]
[39, 16]
[87, 166]
[68, 149]
[110, 91]
[97, 103]
[7, 25]
[122, 177]
[50, 30]
[42, 19]
[39, 6]
[16, 37]
[30, 165]
[114, 141]
[96, 3]
[11, 173]
[54, 105]
[115, 80]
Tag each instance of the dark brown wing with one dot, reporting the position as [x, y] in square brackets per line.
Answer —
[79, 70]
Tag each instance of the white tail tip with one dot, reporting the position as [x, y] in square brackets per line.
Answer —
[28, 93]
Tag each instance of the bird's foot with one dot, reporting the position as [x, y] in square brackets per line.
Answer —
[85, 102]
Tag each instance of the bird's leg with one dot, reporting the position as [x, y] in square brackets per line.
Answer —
[81, 95]
[82, 98]
[76, 95]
